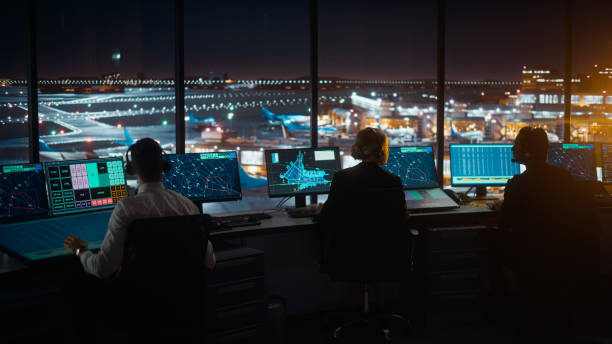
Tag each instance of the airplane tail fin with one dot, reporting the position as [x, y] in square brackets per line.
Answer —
[267, 114]
[44, 147]
[128, 137]
[453, 128]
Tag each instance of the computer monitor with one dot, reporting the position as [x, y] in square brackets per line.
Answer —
[302, 171]
[84, 185]
[414, 165]
[22, 192]
[482, 164]
[578, 159]
[204, 177]
[606, 161]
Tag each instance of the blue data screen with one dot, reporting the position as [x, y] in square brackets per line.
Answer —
[606, 160]
[482, 164]
[414, 165]
[204, 177]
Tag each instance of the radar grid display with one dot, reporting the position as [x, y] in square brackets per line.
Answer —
[414, 165]
[301, 171]
[22, 191]
[578, 159]
[204, 177]
[82, 185]
[606, 160]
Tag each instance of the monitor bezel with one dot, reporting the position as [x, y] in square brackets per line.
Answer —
[591, 149]
[450, 156]
[86, 210]
[267, 155]
[42, 215]
[433, 162]
[210, 200]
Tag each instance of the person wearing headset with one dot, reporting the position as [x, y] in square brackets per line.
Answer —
[144, 158]
[359, 218]
[543, 237]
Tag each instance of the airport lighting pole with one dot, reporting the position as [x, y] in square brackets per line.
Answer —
[440, 100]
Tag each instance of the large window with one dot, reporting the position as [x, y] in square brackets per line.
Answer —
[592, 72]
[13, 91]
[377, 61]
[499, 76]
[106, 76]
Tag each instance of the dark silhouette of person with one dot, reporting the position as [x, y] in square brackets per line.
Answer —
[547, 236]
[363, 216]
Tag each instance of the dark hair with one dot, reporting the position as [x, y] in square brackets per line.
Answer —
[146, 160]
[368, 144]
[533, 141]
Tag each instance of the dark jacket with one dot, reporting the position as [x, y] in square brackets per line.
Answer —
[362, 223]
[547, 223]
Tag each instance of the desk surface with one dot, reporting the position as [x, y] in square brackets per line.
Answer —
[44, 238]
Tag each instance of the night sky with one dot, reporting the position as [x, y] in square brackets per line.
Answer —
[269, 39]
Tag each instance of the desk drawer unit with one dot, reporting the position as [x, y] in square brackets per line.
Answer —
[234, 317]
[237, 264]
[459, 238]
[246, 335]
[235, 292]
[458, 260]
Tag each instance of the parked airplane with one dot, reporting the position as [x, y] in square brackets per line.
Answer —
[48, 153]
[398, 135]
[475, 135]
[248, 182]
[296, 123]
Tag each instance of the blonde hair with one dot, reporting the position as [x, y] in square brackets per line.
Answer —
[369, 144]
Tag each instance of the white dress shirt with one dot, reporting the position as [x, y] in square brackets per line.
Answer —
[152, 200]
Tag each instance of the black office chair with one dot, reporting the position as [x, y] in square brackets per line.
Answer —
[368, 241]
[163, 279]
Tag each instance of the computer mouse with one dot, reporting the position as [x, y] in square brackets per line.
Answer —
[453, 195]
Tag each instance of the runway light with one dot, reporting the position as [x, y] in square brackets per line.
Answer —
[119, 125]
[53, 132]
[165, 122]
[88, 140]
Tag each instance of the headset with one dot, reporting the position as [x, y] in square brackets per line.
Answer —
[129, 166]
[524, 150]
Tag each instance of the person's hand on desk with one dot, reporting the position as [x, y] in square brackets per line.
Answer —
[496, 205]
[75, 244]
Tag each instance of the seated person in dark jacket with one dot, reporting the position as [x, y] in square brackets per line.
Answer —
[363, 217]
[543, 227]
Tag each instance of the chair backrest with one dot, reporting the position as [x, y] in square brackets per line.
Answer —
[163, 273]
[368, 236]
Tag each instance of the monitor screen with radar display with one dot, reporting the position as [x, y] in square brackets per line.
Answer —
[576, 158]
[204, 177]
[22, 192]
[482, 164]
[85, 185]
[301, 171]
[414, 165]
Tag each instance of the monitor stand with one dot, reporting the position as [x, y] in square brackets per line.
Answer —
[481, 191]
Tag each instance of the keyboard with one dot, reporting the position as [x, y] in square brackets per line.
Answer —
[307, 211]
[240, 220]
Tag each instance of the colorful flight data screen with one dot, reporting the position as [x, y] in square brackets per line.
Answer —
[204, 177]
[482, 164]
[578, 159]
[414, 165]
[606, 160]
[301, 171]
[82, 185]
[22, 191]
